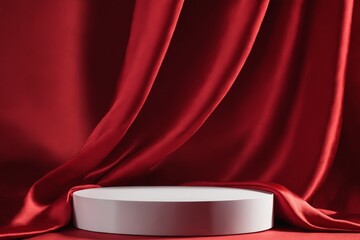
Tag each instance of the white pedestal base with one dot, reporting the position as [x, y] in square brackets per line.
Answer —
[173, 211]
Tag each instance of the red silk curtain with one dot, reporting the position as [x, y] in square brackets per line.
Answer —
[238, 93]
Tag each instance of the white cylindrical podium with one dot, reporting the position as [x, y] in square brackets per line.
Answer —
[173, 211]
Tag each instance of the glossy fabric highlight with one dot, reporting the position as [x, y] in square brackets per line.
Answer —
[238, 93]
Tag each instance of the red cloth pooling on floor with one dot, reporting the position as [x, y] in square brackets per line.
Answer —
[239, 93]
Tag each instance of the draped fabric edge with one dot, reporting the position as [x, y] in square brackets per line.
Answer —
[31, 207]
[189, 131]
[292, 208]
[65, 208]
[291, 203]
[334, 125]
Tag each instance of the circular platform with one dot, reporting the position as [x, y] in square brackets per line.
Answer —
[173, 211]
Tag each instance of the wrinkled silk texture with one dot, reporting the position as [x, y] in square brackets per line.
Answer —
[252, 94]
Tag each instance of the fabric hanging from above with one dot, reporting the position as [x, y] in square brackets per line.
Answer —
[238, 93]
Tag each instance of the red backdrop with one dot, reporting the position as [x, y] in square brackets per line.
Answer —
[240, 93]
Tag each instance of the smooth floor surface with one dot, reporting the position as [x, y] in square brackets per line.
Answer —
[274, 234]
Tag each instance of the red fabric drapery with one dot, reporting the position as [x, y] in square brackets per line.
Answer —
[239, 93]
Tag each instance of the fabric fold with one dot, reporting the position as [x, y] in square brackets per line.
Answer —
[293, 209]
[235, 93]
[134, 85]
[151, 139]
[334, 125]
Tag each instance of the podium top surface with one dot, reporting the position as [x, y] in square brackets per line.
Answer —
[171, 194]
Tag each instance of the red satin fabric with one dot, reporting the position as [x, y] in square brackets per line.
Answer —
[238, 93]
